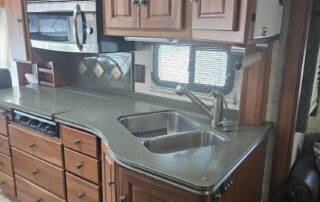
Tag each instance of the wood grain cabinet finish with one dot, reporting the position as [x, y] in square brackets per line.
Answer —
[29, 192]
[82, 165]
[79, 190]
[215, 14]
[32, 142]
[80, 141]
[39, 172]
[165, 14]
[7, 184]
[4, 146]
[108, 176]
[6, 165]
[18, 31]
[3, 126]
[121, 13]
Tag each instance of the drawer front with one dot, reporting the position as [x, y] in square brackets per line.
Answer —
[39, 172]
[82, 165]
[6, 165]
[7, 184]
[27, 191]
[3, 126]
[81, 190]
[79, 141]
[30, 141]
[4, 146]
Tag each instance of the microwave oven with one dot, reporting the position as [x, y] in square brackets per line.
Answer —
[70, 26]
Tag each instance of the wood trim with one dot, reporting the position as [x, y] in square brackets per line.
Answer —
[255, 88]
[290, 92]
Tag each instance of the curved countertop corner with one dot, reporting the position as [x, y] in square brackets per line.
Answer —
[198, 170]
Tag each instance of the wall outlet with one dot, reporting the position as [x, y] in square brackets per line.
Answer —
[139, 73]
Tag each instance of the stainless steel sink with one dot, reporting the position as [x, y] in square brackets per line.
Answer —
[182, 142]
[157, 124]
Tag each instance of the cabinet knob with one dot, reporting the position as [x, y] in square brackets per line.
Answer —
[110, 183]
[2, 182]
[35, 172]
[135, 2]
[194, 1]
[143, 2]
[76, 142]
[38, 200]
[80, 194]
[31, 145]
[1, 163]
[122, 199]
[78, 165]
[19, 20]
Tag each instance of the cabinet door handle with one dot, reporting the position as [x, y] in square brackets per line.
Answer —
[80, 194]
[194, 1]
[1, 163]
[38, 200]
[122, 199]
[143, 2]
[135, 2]
[35, 172]
[19, 20]
[110, 183]
[78, 165]
[31, 145]
[76, 142]
[2, 182]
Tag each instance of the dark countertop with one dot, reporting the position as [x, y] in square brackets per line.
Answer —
[198, 170]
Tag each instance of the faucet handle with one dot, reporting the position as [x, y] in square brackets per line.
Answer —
[216, 93]
[225, 125]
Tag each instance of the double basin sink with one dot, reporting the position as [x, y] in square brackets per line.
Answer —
[169, 132]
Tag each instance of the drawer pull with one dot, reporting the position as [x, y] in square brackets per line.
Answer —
[2, 182]
[38, 200]
[31, 145]
[35, 172]
[78, 165]
[76, 142]
[80, 194]
[110, 183]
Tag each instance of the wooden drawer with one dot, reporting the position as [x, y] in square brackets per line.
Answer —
[29, 192]
[6, 165]
[82, 165]
[7, 184]
[32, 142]
[79, 141]
[4, 146]
[3, 126]
[39, 172]
[81, 190]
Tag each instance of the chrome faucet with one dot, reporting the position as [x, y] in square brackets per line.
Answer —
[215, 111]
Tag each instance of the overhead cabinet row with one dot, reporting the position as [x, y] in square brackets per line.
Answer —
[231, 21]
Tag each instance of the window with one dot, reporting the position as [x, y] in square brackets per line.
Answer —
[201, 69]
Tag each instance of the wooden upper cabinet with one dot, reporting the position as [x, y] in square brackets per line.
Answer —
[164, 14]
[17, 26]
[215, 14]
[2, 4]
[121, 13]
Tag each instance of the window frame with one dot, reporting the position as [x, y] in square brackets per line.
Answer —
[201, 88]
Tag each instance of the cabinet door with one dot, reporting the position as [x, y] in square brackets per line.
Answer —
[164, 14]
[16, 18]
[109, 191]
[133, 187]
[121, 13]
[215, 14]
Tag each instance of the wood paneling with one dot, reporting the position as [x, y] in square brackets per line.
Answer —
[290, 92]
[165, 14]
[39, 172]
[108, 176]
[4, 146]
[80, 141]
[3, 126]
[27, 191]
[6, 165]
[82, 165]
[39, 145]
[81, 190]
[121, 14]
[7, 184]
[18, 30]
[255, 89]
[215, 15]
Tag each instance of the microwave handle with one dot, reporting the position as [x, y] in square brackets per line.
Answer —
[75, 23]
